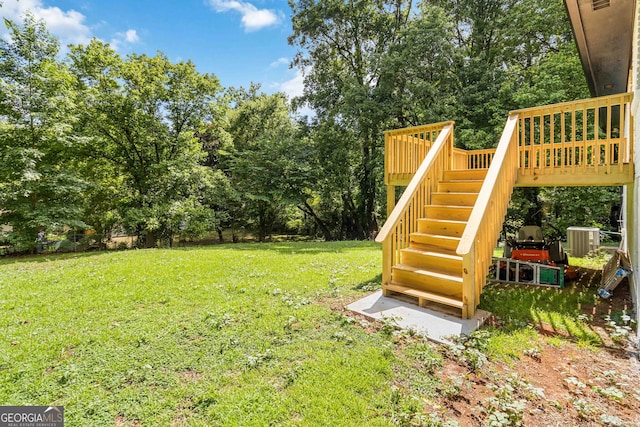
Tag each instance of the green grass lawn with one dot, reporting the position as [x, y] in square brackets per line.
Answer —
[223, 335]
[226, 335]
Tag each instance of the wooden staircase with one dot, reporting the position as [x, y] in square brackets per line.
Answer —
[439, 237]
[429, 268]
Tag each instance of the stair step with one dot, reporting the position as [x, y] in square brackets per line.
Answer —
[455, 213]
[460, 186]
[441, 227]
[465, 174]
[427, 241]
[433, 261]
[427, 280]
[423, 295]
[454, 199]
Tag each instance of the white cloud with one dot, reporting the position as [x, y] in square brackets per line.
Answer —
[253, 19]
[126, 38]
[278, 62]
[68, 27]
[132, 36]
[295, 86]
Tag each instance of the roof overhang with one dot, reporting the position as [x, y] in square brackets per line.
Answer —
[603, 30]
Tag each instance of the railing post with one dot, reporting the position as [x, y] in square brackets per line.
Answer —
[391, 199]
[468, 284]
[387, 260]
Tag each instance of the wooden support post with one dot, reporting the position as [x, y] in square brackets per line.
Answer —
[468, 285]
[391, 199]
[387, 248]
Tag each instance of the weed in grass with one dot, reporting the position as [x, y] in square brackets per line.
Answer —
[389, 325]
[347, 320]
[611, 420]
[141, 333]
[584, 408]
[535, 353]
[368, 286]
[342, 336]
[612, 393]
[524, 389]
[470, 349]
[503, 409]
[619, 324]
[428, 359]
[451, 388]
[217, 321]
[577, 384]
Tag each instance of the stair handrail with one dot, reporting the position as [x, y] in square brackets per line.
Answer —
[403, 220]
[485, 222]
[414, 184]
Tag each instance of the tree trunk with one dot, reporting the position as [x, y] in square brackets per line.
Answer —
[150, 239]
[307, 209]
[533, 216]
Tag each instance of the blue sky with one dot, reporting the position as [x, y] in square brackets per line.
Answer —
[239, 41]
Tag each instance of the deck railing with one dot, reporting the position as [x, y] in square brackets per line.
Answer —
[406, 148]
[395, 234]
[485, 222]
[472, 159]
[576, 136]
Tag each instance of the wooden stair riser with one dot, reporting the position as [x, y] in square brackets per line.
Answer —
[429, 283]
[465, 174]
[454, 199]
[441, 227]
[459, 186]
[428, 241]
[425, 297]
[455, 213]
[441, 263]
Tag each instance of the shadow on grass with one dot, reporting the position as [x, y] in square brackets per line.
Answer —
[53, 256]
[576, 312]
[552, 311]
[303, 247]
[370, 285]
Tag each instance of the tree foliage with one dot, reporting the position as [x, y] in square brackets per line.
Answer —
[141, 115]
[38, 188]
[98, 140]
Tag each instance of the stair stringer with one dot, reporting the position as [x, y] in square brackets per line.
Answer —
[429, 269]
[486, 219]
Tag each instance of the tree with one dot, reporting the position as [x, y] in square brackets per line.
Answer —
[142, 116]
[342, 46]
[417, 83]
[39, 190]
[270, 161]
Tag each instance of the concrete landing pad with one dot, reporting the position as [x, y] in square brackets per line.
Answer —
[434, 325]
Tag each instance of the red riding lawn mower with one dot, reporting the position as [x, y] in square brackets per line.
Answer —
[530, 258]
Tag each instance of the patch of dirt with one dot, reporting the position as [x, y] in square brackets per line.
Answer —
[559, 384]
[562, 384]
